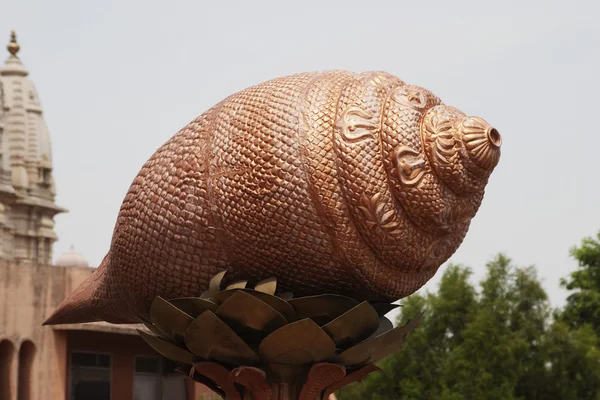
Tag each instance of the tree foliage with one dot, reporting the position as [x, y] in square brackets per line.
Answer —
[583, 304]
[493, 341]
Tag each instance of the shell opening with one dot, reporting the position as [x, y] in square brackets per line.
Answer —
[494, 137]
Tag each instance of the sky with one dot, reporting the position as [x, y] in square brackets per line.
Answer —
[119, 78]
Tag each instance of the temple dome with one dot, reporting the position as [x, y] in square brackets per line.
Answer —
[71, 258]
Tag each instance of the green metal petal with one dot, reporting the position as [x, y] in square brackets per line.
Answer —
[376, 348]
[167, 349]
[193, 306]
[211, 339]
[356, 376]
[237, 285]
[169, 319]
[301, 342]
[247, 311]
[384, 308]
[287, 296]
[215, 283]
[220, 376]
[155, 331]
[353, 326]
[278, 304]
[324, 307]
[195, 376]
[268, 286]
[254, 380]
[385, 325]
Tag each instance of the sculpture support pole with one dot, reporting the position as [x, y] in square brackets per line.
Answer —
[284, 391]
[287, 383]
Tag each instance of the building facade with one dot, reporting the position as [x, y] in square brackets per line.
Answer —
[96, 361]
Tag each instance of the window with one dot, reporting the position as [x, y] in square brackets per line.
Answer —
[147, 365]
[90, 360]
[155, 379]
[146, 382]
[90, 376]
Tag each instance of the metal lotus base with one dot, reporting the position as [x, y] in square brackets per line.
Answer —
[254, 343]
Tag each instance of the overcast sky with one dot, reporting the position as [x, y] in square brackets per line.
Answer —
[118, 78]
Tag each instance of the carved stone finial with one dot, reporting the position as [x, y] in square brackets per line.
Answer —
[13, 47]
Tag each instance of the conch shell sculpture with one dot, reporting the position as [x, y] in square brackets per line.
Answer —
[331, 182]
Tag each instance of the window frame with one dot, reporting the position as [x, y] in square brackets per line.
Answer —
[70, 367]
[158, 375]
[158, 358]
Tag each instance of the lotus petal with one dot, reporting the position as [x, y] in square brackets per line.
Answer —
[167, 349]
[210, 338]
[206, 295]
[353, 326]
[237, 285]
[326, 306]
[320, 377]
[247, 311]
[278, 304]
[385, 325]
[254, 380]
[215, 283]
[384, 308]
[376, 348]
[195, 376]
[220, 376]
[169, 319]
[155, 331]
[287, 296]
[267, 286]
[301, 342]
[193, 306]
[350, 378]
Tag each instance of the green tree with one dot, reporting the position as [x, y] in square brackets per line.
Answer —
[500, 349]
[572, 368]
[493, 343]
[413, 373]
[583, 304]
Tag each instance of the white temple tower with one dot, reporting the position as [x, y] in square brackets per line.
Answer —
[27, 189]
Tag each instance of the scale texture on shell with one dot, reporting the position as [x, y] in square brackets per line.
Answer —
[332, 182]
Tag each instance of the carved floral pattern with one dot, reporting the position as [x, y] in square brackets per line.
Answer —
[377, 218]
[410, 97]
[356, 124]
[409, 165]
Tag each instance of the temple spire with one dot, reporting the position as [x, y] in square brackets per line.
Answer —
[13, 47]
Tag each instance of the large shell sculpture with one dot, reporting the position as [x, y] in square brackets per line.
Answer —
[333, 182]
[241, 341]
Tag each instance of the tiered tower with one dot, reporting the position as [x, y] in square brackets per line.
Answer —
[27, 189]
